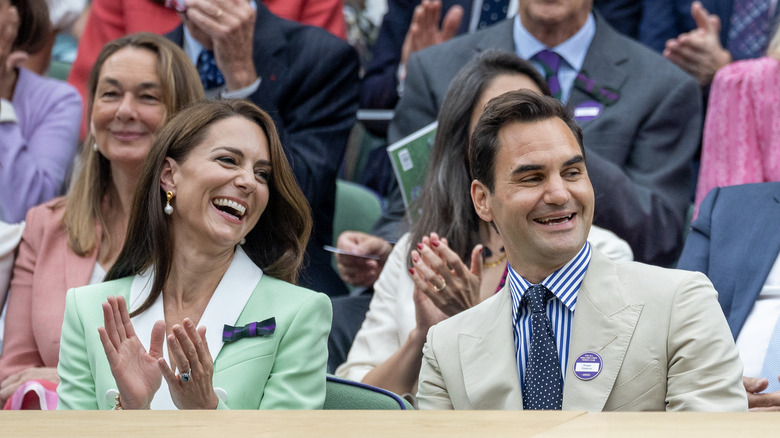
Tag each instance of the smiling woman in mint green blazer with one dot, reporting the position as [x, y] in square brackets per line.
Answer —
[199, 310]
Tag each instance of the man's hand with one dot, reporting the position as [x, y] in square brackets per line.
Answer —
[360, 271]
[424, 30]
[760, 402]
[227, 27]
[699, 52]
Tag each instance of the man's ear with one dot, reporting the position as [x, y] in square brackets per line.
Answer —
[168, 176]
[480, 196]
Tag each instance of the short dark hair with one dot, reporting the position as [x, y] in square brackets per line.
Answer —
[34, 25]
[515, 106]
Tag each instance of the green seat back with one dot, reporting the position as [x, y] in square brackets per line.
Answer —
[346, 394]
[357, 208]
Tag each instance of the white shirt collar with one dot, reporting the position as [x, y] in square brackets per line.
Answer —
[572, 51]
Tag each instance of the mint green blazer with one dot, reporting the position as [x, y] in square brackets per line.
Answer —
[285, 370]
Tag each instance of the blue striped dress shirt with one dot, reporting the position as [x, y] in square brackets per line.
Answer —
[564, 284]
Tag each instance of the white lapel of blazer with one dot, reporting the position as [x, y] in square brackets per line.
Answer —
[487, 357]
[225, 306]
[229, 299]
[604, 324]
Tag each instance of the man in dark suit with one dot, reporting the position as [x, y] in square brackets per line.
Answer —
[641, 132]
[304, 77]
[734, 242]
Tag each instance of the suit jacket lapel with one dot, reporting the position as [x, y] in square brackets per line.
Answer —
[498, 37]
[78, 269]
[603, 324]
[229, 299]
[270, 59]
[176, 35]
[225, 306]
[604, 62]
[491, 345]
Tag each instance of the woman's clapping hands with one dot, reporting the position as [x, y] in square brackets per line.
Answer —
[135, 370]
[443, 277]
[139, 373]
[189, 349]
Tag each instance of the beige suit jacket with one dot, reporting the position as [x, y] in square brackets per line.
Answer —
[663, 339]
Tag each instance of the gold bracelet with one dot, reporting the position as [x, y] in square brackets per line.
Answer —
[118, 405]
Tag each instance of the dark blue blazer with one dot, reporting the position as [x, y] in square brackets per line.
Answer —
[310, 87]
[623, 15]
[665, 19]
[735, 241]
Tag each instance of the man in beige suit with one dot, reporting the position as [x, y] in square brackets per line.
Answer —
[606, 336]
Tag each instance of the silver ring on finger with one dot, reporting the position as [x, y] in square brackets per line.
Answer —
[440, 288]
[185, 376]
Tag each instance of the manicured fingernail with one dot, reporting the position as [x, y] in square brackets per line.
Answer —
[420, 246]
[415, 259]
[411, 271]
[435, 242]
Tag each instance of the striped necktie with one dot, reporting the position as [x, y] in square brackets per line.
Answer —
[550, 62]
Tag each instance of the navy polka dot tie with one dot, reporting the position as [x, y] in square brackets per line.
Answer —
[210, 76]
[543, 387]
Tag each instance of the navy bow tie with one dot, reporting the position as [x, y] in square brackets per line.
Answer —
[262, 328]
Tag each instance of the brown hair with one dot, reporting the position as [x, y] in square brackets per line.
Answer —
[276, 244]
[34, 25]
[180, 86]
[516, 106]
